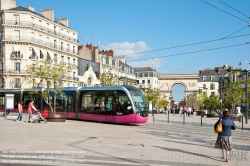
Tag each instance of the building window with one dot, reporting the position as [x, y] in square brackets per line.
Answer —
[74, 50]
[68, 61]
[61, 45]
[16, 35]
[212, 78]
[16, 20]
[33, 37]
[41, 54]
[62, 60]
[137, 81]
[212, 86]
[149, 81]
[89, 81]
[17, 82]
[55, 57]
[204, 86]
[55, 44]
[67, 47]
[17, 67]
[55, 30]
[204, 78]
[143, 81]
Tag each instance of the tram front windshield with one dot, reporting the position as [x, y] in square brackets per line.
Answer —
[139, 100]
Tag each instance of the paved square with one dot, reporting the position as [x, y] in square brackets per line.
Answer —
[91, 143]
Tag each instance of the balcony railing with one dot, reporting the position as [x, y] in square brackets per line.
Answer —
[37, 41]
[12, 71]
[38, 27]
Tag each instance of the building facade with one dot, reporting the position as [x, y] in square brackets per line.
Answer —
[209, 79]
[104, 62]
[27, 37]
[146, 77]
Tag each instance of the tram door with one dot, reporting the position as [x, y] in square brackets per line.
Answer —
[110, 106]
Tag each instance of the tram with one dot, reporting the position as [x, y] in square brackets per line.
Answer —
[116, 104]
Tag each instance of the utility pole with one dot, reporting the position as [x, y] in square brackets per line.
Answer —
[246, 86]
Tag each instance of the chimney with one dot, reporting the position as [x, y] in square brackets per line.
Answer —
[89, 46]
[31, 8]
[110, 53]
[230, 69]
[48, 13]
[7, 4]
[63, 21]
[218, 70]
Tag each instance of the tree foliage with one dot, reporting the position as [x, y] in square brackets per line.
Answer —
[50, 76]
[151, 95]
[163, 103]
[234, 94]
[201, 100]
[108, 79]
[212, 101]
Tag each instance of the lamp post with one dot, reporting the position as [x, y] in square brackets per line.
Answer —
[221, 81]
[246, 86]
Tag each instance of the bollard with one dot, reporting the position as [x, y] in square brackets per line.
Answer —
[153, 117]
[184, 119]
[168, 116]
[201, 120]
[242, 121]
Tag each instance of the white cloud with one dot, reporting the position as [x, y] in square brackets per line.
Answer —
[153, 63]
[126, 48]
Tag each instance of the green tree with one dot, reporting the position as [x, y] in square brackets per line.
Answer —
[234, 94]
[201, 100]
[163, 103]
[212, 101]
[49, 76]
[151, 95]
[108, 79]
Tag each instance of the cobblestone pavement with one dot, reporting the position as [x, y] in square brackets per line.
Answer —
[155, 143]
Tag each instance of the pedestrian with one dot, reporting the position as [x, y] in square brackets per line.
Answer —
[185, 111]
[20, 112]
[181, 109]
[224, 139]
[189, 111]
[30, 107]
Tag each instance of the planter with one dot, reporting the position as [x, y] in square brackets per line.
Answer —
[212, 115]
[200, 112]
[56, 118]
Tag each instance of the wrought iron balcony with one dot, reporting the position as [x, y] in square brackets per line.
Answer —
[38, 27]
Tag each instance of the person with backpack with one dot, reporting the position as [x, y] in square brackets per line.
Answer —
[224, 139]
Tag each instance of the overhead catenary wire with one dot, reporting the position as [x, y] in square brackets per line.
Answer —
[185, 45]
[192, 52]
[237, 31]
[224, 11]
[233, 9]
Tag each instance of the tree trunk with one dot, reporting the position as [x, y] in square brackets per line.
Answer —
[54, 112]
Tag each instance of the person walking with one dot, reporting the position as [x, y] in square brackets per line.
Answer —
[189, 111]
[181, 109]
[224, 139]
[30, 107]
[20, 111]
[185, 111]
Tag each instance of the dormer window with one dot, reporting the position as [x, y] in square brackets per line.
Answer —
[203, 78]
[212, 78]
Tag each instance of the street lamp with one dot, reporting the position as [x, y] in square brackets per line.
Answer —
[221, 82]
[246, 87]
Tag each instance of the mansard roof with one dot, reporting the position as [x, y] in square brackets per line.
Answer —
[143, 69]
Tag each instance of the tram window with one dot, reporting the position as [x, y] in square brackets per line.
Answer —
[125, 103]
[69, 103]
[99, 102]
[28, 97]
[86, 103]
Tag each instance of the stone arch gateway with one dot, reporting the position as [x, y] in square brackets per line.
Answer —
[167, 81]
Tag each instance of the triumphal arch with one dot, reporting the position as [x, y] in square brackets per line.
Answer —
[189, 81]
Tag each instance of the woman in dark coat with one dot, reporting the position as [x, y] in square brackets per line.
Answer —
[224, 139]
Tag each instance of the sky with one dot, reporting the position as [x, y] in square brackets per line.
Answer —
[155, 33]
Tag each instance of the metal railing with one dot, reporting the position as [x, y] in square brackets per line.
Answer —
[38, 27]
[37, 41]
